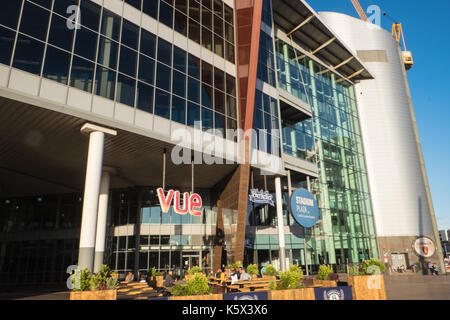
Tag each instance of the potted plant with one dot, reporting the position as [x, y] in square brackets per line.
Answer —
[196, 288]
[253, 270]
[156, 278]
[322, 277]
[290, 286]
[269, 271]
[191, 272]
[367, 280]
[93, 286]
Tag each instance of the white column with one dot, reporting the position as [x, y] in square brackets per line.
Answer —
[91, 194]
[101, 220]
[279, 206]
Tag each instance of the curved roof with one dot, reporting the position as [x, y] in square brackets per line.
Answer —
[297, 19]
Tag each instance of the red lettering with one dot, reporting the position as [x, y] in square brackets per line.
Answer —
[163, 201]
[177, 203]
[194, 204]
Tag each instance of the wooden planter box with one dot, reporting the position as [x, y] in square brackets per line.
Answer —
[94, 295]
[156, 282]
[203, 297]
[269, 277]
[293, 294]
[367, 287]
[325, 283]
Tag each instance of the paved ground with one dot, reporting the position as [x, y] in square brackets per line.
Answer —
[417, 287]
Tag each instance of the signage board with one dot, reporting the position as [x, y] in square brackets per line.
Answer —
[255, 295]
[334, 293]
[261, 197]
[424, 247]
[192, 203]
[304, 208]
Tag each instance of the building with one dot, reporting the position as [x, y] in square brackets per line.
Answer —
[98, 96]
[444, 236]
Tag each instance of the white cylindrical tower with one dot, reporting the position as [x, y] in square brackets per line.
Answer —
[401, 199]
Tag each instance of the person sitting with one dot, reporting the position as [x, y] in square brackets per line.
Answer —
[244, 276]
[169, 280]
[129, 277]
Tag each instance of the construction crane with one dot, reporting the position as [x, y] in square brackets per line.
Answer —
[397, 33]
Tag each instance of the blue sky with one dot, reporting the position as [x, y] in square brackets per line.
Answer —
[429, 81]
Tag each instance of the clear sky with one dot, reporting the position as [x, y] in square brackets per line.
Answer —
[426, 29]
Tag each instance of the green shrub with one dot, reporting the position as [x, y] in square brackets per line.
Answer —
[354, 270]
[373, 266]
[290, 279]
[324, 271]
[112, 283]
[270, 270]
[194, 270]
[198, 285]
[252, 269]
[84, 280]
[81, 280]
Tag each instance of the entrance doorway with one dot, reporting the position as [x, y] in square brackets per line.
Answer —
[398, 260]
[190, 260]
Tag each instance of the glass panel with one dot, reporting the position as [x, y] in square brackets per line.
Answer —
[180, 23]
[146, 69]
[207, 96]
[162, 104]
[179, 84]
[194, 31]
[193, 113]
[207, 119]
[130, 34]
[145, 97]
[164, 52]
[105, 81]
[56, 65]
[9, 15]
[110, 24]
[148, 43]
[86, 43]
[219, 101]
[178, 110]
[28, 54]
[194, 66]
[179, 59]
[60, 35]
[107, 52]
[90, 14]
[60, 6]
[218, 45]
[150, 8]
[6, 43]
[163, 77]
[125, 90]
[127, 61]
[165, 14]
[207, 39]
[34, 21]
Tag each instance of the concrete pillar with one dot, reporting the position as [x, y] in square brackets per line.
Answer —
[91, 194]
[279, 206]
[102, 218]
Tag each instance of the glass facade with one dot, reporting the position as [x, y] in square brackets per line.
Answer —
[111, 57]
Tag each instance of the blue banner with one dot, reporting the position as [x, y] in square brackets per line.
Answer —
[260, 295]
[333, 293]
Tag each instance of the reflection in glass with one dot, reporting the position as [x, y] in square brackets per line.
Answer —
[105, 81]
[56, 65]
[82, 74]
[125, 89]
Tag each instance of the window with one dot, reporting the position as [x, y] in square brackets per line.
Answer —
[105, 81]
[162, 104]
[56, 65]
[231, 85]
[110, 24]
[145, 97]
[179, 59]
[125, 90]
[127, 62]
[180, 23]
[82, 74]
[148, 42]
[6, 43]
[163, 77]
[207, 96]
[28, 54]
[86, 43]
[150, 8]
[9, 15]
[207, 73]
[219, 101]
[130, 34]
[60, 35]
[193, 90]
[194, 66]
[178, 110]
[164, 52]
[207, 119]
[34, 21]
[193, 113]
[61, 6]
[107, 52]
[194, 31]
[165, 14]
[179, 84]
[90, 14]
[219, 124]
[219, 79]
[206, 38]
[146, 69]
